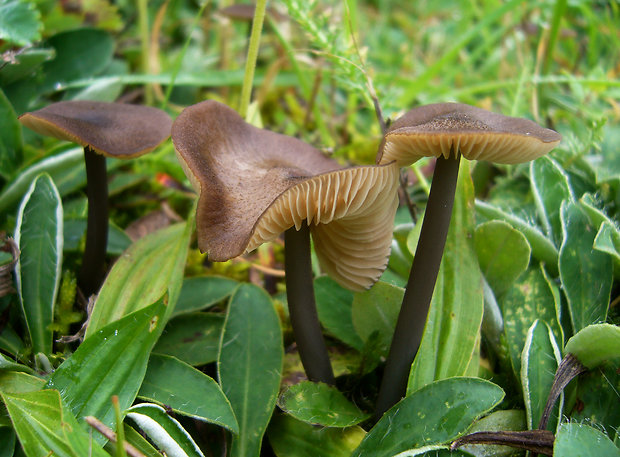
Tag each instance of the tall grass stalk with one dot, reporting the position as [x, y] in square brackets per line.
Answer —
[250, 63]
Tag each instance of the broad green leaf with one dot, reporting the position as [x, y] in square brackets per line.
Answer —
[193, 338]
[110, 362]
[550, 187]
[375, 311]
[8, 365]
[586, 274]
[75, 231]
[167, 433]
[11, 139]
[39, 237]
[250, 364]
[187, 391]
[579, 440]
[201, 292]
[148, 268]
[20, 22]
[542, 248]
[595, 344]
[320, 404]
[334, 307]
[451, 335]
[503, 254]
[434, 415]
[596, 398]
[19, 382]
[62, 167]
[539, 362]
[45, 426]
[290, 437]
[530, 298]
[23, 64]
[512, 419]
[7, 438]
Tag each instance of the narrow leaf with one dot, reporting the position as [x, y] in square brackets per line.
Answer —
[11, 138]
[45, 426]
[39, 237]
[186, 391]
[550, 187]
[586, 274]
[539, 362]
[110, 362]
[167, 433]
[150, 267]
[290, 437]
[250, 364]
[451, 335]
[320, 404]
[75, 231]
[433, 415]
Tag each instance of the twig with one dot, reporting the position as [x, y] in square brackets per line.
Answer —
[110, 435]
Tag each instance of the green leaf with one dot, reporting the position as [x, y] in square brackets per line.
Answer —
[334, 307]
[45, 426]
[375, 311]
[193, 338]
[150, 266]
[608, 240]
[20, 22]
[19, 382]
[586, 274]
[201, 292]
[133, 437]
[75, 231]
[503, 254]
[7, 438]
[578, 440]
[39, 237]
[435, 414]
[187, 391]
[290, 437]
[110, 362]
[542, 248]
[11, 155]
[530, 298]
[167, 433]
[24, 64]
[595, 344]
[511, 420]
[62, 167]
[450, 343]
[7, 364]
[320, 404]
[539, 362]
[550, 187]
[250, 365]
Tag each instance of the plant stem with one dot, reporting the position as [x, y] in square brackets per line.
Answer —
[250, 63]
[416, 302]
[91, 274]
[302, 307]
[143, 25]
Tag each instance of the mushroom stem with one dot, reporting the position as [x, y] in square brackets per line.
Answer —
[91, 274]
[421, 283]
[302, 307]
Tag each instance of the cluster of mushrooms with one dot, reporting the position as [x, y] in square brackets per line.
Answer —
[254, 184]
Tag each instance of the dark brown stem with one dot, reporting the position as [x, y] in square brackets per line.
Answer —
[92, 272]
[416, 302]
[302, 306]
[539, 441]
[568, 370]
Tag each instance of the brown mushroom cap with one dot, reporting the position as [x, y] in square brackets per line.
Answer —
[436, 130]
[112, 129]
[254, 184]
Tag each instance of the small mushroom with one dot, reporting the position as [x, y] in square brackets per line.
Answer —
[104, 130]
[255, 184]
[445, 131]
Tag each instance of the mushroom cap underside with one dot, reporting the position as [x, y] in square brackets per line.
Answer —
[113, 129]
[254, 184]
[444, 129]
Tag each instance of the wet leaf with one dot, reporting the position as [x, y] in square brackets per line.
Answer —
[579, 440]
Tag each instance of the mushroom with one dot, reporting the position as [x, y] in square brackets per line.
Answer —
[446, 131]
[255, 184]
[104, 130]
